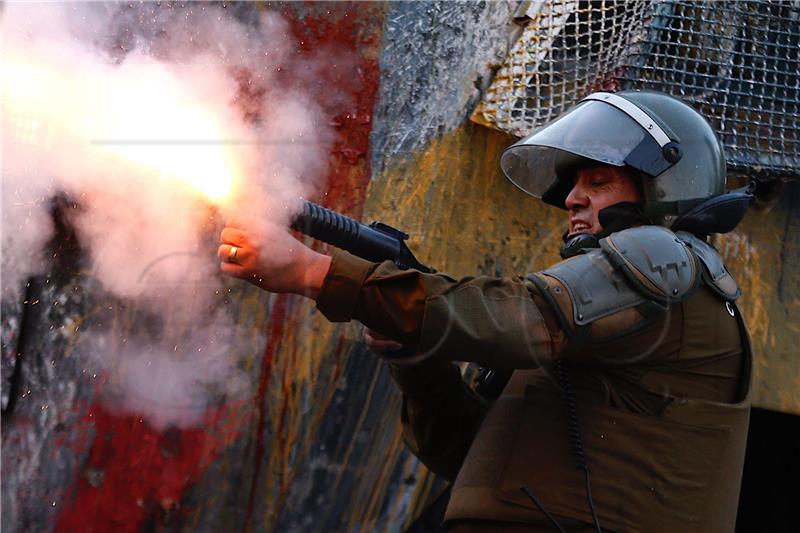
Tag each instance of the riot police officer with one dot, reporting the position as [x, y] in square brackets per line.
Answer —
[629, 400]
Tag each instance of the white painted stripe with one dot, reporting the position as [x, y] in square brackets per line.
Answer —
[630, 109]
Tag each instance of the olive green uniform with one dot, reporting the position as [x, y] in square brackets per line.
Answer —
[662, 394]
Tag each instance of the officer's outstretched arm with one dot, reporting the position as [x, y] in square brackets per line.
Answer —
[516, 323]
[471, 319]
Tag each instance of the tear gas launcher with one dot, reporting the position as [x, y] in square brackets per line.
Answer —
[379, 242]
[375, 242]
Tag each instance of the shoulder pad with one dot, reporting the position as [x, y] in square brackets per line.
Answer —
[595, 287]
[655, 261]
[714, 274]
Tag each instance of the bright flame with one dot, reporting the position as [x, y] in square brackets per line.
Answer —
[151, 124]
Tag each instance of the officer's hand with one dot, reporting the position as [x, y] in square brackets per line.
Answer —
[379, 343]
[273, 260]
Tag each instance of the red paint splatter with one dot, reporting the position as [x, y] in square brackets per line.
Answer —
[275, 328]
[344, 37]
[135, 473]
[347, 89]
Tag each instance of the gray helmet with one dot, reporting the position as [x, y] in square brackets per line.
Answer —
[673, 147]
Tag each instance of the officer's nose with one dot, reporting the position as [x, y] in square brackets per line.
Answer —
[577, 198]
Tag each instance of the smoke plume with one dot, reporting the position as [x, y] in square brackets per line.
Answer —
[157, 122]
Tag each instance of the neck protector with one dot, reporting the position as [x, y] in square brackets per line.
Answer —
[613, 218]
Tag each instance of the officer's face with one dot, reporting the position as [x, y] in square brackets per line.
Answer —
[596, 188]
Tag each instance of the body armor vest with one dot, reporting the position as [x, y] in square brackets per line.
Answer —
[677, 470]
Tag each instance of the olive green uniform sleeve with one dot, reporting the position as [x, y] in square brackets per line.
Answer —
[494, 322]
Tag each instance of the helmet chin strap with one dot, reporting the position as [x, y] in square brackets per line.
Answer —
[613, 218]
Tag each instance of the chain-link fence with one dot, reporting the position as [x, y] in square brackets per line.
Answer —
[737, 62]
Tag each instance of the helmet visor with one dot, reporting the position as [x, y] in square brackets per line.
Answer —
[592, 130]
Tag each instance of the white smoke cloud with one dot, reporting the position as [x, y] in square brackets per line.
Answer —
[157, 121]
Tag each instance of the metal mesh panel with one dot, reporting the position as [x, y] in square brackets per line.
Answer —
[737, 62]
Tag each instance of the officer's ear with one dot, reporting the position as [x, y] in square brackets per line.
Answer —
[638, 179]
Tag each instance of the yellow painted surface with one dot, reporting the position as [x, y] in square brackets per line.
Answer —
[756, 254]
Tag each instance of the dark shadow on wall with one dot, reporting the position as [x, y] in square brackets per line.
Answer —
[771, 482]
